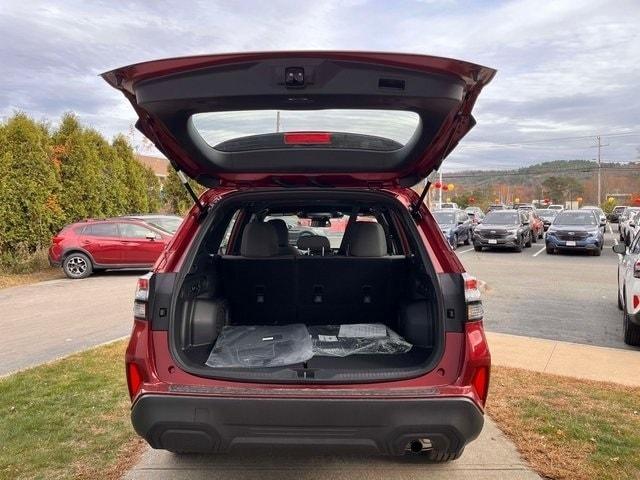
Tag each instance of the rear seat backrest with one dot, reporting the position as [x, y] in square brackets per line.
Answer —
[259, 284]
[367, 240]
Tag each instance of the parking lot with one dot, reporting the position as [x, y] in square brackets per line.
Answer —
[569, 297]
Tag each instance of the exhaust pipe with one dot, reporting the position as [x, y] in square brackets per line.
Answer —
[415, 446]
[419, 445]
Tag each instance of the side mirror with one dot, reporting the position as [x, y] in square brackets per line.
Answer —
[620, 248]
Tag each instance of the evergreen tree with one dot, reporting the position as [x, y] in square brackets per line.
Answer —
[137, 201]
[177, 198]
[29, 209]
[81, 171]
[154, 191]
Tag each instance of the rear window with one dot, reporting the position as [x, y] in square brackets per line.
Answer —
[101, 230]
[261, 129]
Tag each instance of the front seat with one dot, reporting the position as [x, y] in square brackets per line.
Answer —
[315, 245]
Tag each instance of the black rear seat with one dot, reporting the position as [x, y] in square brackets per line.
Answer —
[259, 284]
[364, 287]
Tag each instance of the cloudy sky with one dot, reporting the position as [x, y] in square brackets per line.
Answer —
[566, 68]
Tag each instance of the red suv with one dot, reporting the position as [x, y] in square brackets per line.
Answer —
[372, 341]
[84, 247]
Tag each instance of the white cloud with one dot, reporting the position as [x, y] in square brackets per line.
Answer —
[564, 67]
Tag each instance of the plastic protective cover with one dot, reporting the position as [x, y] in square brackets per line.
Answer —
[261, 346]
[273, 346]
[363, 338]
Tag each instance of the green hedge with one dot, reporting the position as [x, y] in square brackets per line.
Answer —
[49, 178]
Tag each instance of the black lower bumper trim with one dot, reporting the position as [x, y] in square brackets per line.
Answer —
[213, 424]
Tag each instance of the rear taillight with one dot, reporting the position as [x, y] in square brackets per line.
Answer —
[142, 297]
[477, 361]
[636, 301]
[134, 379]
[472, 298]
[480, 383]
[636, 269]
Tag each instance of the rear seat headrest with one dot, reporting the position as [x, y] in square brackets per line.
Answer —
[367, 240]
[314, 243]
[281, 231]
[259, 240]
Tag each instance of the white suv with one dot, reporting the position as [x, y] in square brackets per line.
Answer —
[629, 289]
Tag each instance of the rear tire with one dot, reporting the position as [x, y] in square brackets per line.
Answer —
[454, 244]
[534, 237]
[631, 330]
[597, 252]
[77, 265]
[528, 244]
[550, 251]
[477, 248]
[467, 241]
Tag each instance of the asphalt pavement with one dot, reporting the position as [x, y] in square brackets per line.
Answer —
[47, 320]
[569, 297]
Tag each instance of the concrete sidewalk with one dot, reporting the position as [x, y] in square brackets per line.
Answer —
[563, 358]
[490, 457]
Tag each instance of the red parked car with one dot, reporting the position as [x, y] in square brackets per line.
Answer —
[84, 247]
[239, 340]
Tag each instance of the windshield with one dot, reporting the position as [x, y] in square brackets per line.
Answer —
[547, 213]
[445, 218]
[585, 217]
[502, 218]
[168, 224]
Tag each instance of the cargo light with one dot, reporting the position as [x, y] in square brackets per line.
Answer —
[307, 138]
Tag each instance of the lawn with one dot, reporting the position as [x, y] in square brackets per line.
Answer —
[68, 419]
[567, 428]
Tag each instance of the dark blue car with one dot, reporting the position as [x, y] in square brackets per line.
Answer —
[575, 230]
[455, 226]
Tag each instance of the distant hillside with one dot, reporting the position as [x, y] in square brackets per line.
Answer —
[578, 169]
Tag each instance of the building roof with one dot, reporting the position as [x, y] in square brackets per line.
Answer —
[159, 165]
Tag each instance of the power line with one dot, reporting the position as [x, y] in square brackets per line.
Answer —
[551, 140]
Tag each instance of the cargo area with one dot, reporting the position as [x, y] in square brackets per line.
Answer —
[310, 291]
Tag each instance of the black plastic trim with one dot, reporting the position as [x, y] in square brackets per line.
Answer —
[384, 426]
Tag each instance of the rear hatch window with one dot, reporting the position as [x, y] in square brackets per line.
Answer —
[331, 128]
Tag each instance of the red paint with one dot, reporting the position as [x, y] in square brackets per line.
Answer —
[111, 251]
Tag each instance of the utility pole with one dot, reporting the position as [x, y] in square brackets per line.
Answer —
[600, 145]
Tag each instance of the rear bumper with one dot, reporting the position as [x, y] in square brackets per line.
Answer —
[216, 424]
